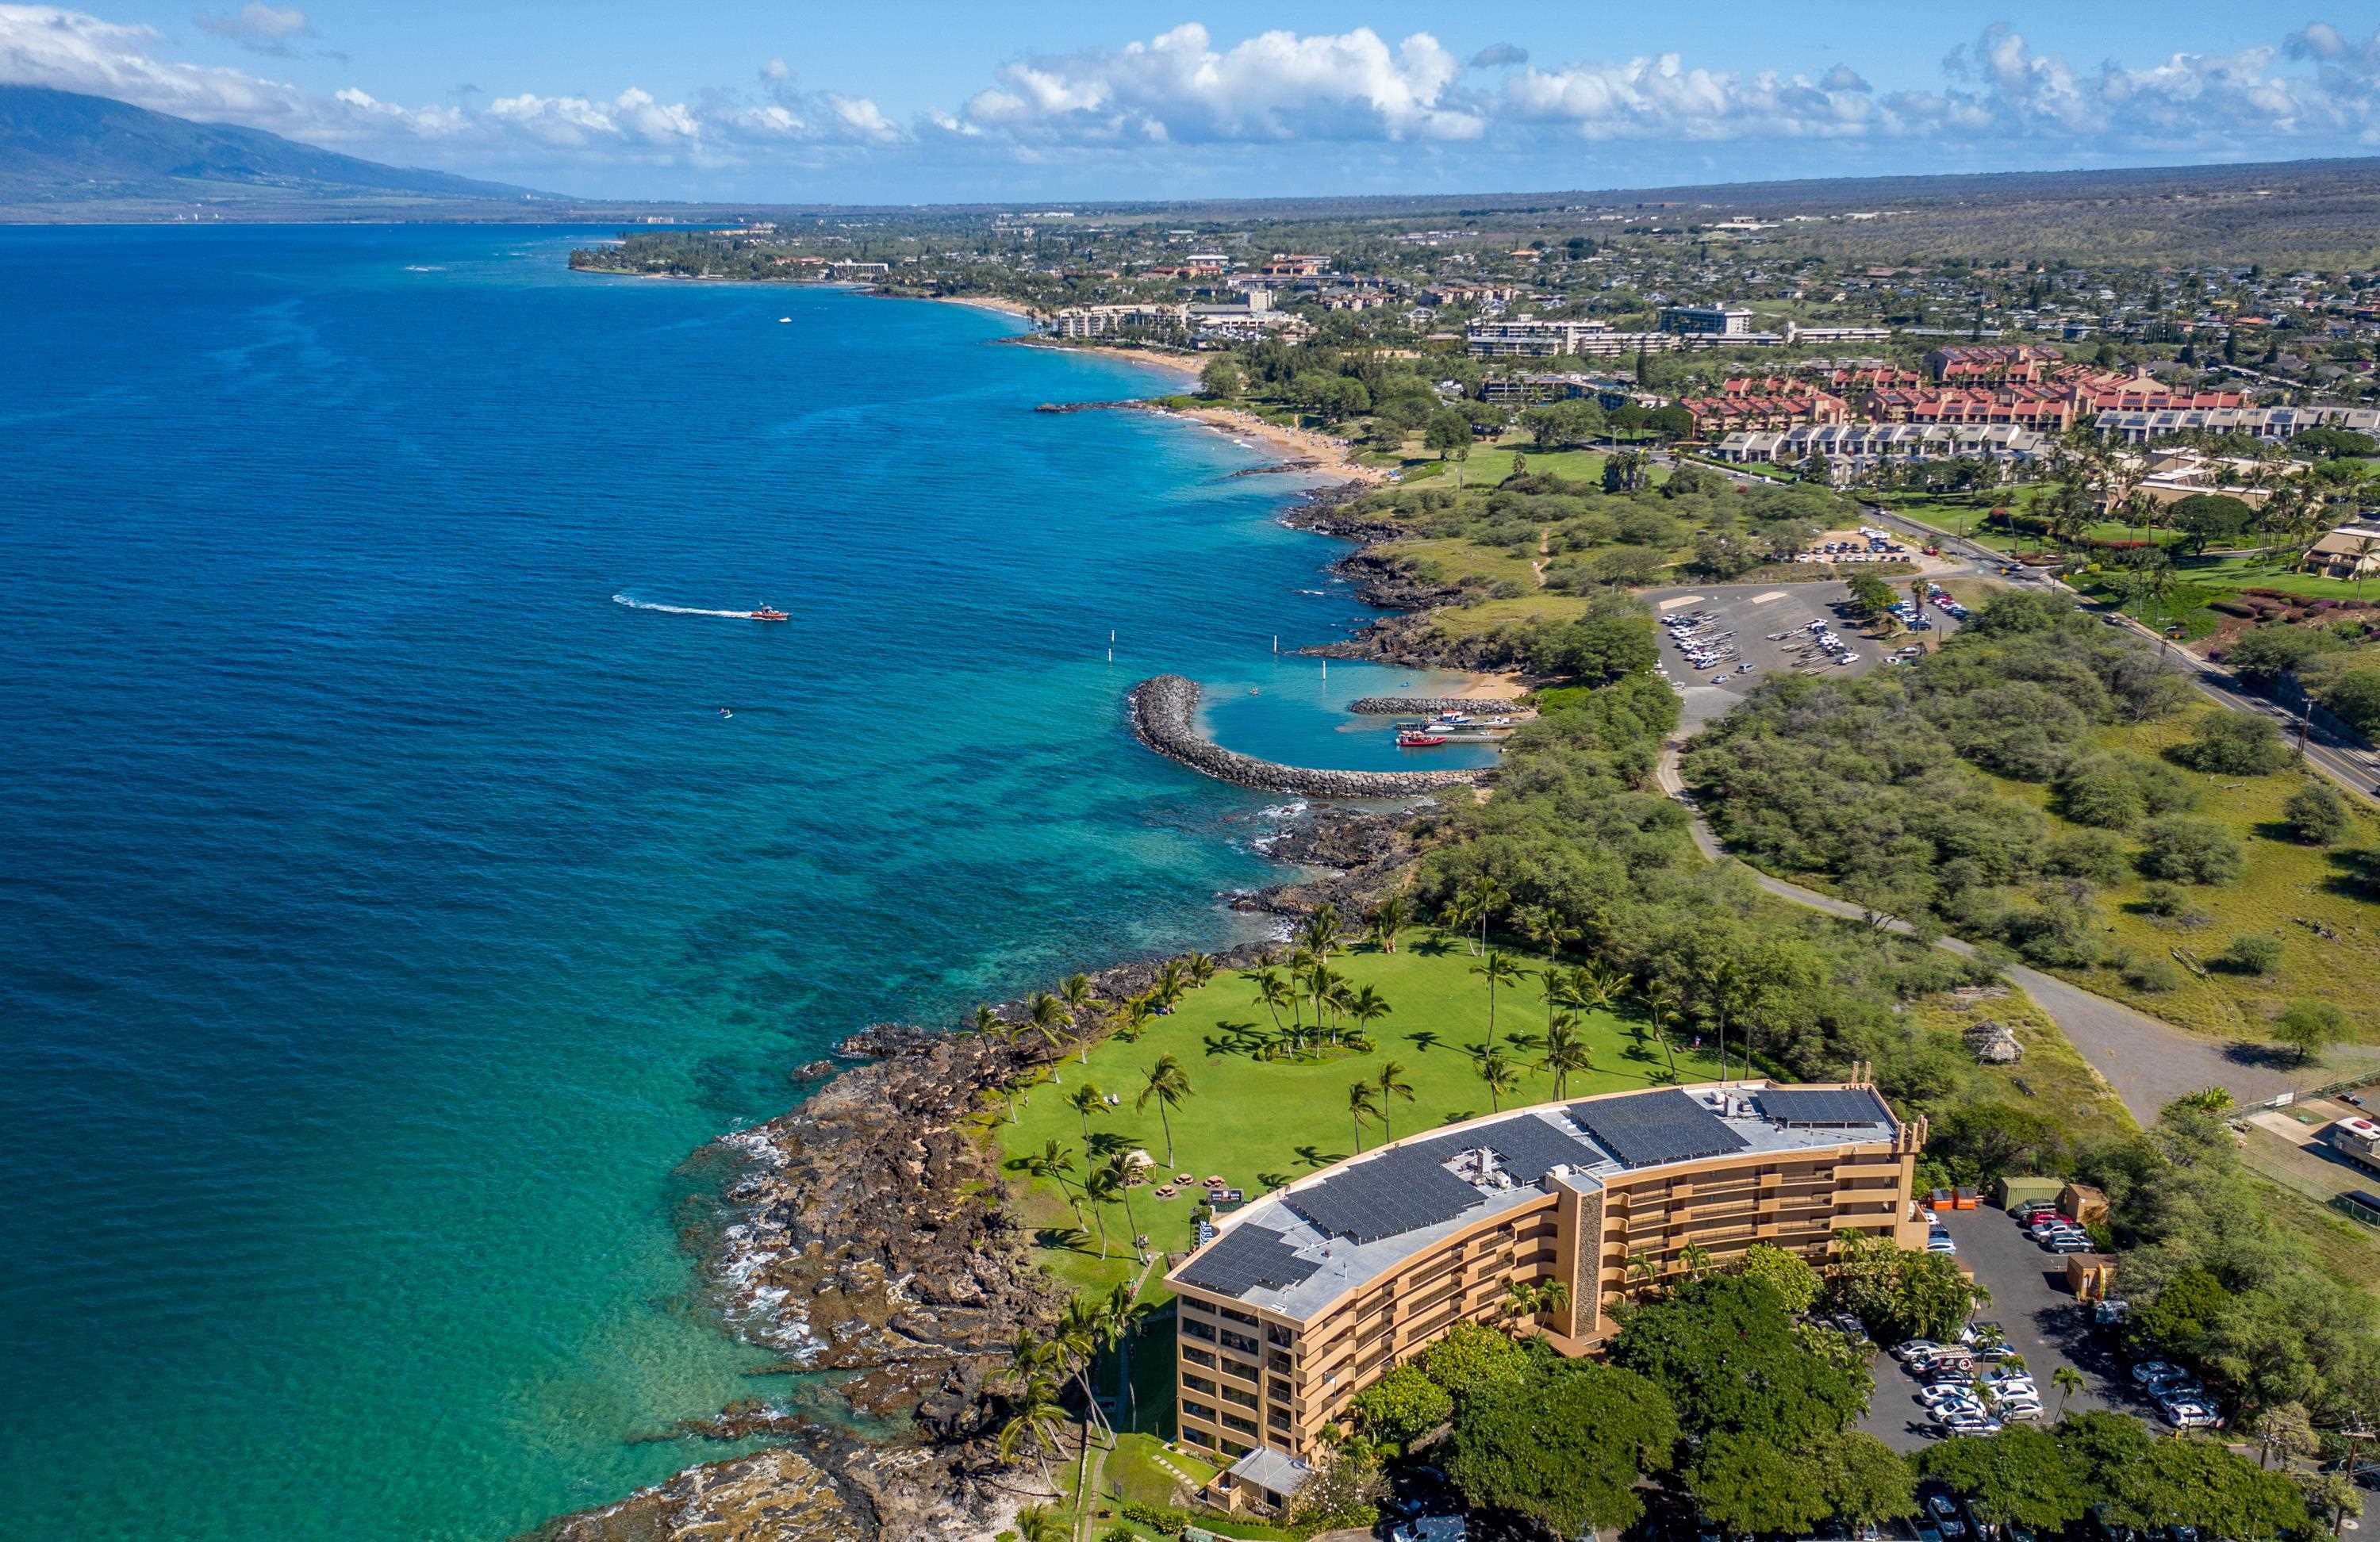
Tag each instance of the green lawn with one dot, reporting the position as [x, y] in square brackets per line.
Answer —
[1261, 1123]
[1453, 559]
[2255, 571]
[1489, 615]
[2052, 1077]
[1489, 464]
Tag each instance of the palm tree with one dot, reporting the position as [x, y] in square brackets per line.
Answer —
[1120, 1169]
[1362, 1103]
[1561, 992]
[1458, 914]
[1661, 1002]
[1489, 896]
[1497, 1071]
[1565, 1053]
[1598, 985]
[2068, 1381]
[1053, 1162]
[1083, 1099]
[1696, 1258]
[1039, 1523]
[1120, 1316]
[1101, 1186]
[1390, 917]
[1034, 1419]
[1172, 980]
[1642, 1267]
[1496, 968]
[1131, 1017]
[1318, 933]
[982, 1021]
[1269, 991]
[1366, 1006]
[1520, 1301]
[1076, 991]
[1048, 1016]
[1552, 1296]
[1169, 1083]
[1393, 1085]
[1199, 966]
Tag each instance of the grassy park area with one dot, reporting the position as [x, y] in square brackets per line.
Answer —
[1261, 1122]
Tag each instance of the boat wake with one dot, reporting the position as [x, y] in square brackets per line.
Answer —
[677, 610]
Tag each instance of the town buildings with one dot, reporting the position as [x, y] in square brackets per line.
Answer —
[1310, 1294]
[1704, 321]
[1854, 447]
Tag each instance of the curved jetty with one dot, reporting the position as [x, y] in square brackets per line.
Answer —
[1164, 717]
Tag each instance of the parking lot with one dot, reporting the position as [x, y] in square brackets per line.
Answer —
[1747, 622]
[2042, 1322]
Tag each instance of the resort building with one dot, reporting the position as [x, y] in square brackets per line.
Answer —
[1310, 1294]
[2348, 551]
[1523, 337]
[1704, 320]
[1856, 446]
[1107, 320]
[2275, 423]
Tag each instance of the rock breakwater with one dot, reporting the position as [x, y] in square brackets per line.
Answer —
[1164, 712]
[1406, 706]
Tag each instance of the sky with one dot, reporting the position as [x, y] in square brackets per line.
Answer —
[896, 101]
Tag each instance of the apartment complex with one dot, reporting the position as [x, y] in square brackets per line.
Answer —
[1309, 1296]
[2275, 423]
[1704, 320]
[1856, 446]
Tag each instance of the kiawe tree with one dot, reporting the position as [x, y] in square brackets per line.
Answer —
[1564, 1447]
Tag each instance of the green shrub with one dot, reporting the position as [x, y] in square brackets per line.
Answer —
[2251, 955]
[2317, 815]
[2188, 850]
[2229, 743]
[2163, 900]
[2153, 974]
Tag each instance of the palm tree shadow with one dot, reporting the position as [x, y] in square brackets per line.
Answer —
[1073, 1239]
[1312, 1155]
[1424, 1040]
[1108, 1143]
[1271, 1180]
[1433, 946]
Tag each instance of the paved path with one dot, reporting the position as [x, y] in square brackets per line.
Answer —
[2147, 1060]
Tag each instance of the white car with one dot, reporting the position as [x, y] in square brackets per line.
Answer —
[1848, 659]
[2030, 1408]
[1912, 1348]
[1975, 1426]
[1940, 1242]
[1945, 1394]
[2184, 1414]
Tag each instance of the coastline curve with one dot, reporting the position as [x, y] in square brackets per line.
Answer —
[1163, 711]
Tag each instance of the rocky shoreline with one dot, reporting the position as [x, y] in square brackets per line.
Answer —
[858, 1236]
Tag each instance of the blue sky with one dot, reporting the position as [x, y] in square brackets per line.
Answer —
[902, 101]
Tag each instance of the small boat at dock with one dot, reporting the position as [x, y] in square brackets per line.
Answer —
[1411, 740]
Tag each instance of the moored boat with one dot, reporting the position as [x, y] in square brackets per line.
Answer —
[1419, 741]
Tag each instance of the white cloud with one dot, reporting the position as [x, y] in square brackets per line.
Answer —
[264, 28]
[1663, 98]
[1277, 86]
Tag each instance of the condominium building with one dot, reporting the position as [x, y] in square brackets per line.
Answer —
[1523, 337]
[1704, 320]
[1853, 447]
[1103, 321]
[2275, 423]
[1309, 1296]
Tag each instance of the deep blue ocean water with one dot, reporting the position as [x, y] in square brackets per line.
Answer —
[386, 912]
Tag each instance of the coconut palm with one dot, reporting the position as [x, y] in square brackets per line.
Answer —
[1496, 968]
[1083, 1099]
[1565, 1053]
[1460, 911]
[1366, 1006]
[1597, 986]
[1131, 1017]
[2068, 1381]
[1269, 992]
[1390, 917]
[982, 1022]
[1662, 1002]
[1696, 1258]
[1172, 983]
[1120, 1316]
[1048, 1016]
[1120, 1169]
[1039, 1523]
[1488, 897]
[1169, 1084]
[1561, 992]
[1034, 1419]
[1552, 1296]
[1318, 933]
[1498, 1073]
[1520, 1301]
[1393, 1086]
[1076, 991]
[1101, 1186]
[1362, 1103]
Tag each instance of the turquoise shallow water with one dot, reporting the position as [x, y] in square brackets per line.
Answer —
[388, 912]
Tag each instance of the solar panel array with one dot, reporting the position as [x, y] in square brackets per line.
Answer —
[1527, 1146]
[1395, 1192]
[1244, 1257]
[1824, 1106]
[1644, 1129]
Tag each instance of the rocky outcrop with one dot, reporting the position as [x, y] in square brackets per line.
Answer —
[1409, 705]
[1164, 717]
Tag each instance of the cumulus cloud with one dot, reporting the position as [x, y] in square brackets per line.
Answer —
[1275, 87]
[1498, 55]
[263, 27]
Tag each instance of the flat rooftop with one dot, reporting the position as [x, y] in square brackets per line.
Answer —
[1301, 1247]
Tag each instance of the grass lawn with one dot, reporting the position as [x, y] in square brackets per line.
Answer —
[2285, 884]
[1492, 463]
[1261, 1123]
[1453, 559]
[2226, 573]
[1489, 615]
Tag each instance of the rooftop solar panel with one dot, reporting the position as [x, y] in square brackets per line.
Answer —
[1824, 1106]
[1244, 1257]
[1397, 1191]
[1643, 1129]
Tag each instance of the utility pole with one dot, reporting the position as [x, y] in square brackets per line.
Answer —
[2356, 1435]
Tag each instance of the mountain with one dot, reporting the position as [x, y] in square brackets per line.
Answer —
[61, 147]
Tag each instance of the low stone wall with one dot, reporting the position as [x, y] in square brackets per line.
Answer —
[1415, 706]
[1164, 717]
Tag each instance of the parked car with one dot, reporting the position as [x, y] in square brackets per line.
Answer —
[2183, 1414]
[1912, 1348]
[1938, 1240]
[1946, 1394]
[2156, 1370]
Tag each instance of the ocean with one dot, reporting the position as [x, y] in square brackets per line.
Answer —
[404, 872]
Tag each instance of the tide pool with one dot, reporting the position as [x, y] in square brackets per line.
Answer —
[389, 911]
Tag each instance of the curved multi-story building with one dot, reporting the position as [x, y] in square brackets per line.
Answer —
[1310, 1294]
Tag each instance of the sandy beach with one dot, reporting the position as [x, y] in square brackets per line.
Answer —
[985, 302]
[1331, 456]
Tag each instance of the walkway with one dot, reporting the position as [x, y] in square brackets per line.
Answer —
[2148, 1062]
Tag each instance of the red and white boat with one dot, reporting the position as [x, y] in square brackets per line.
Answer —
[765, 613]
[1419, 741]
